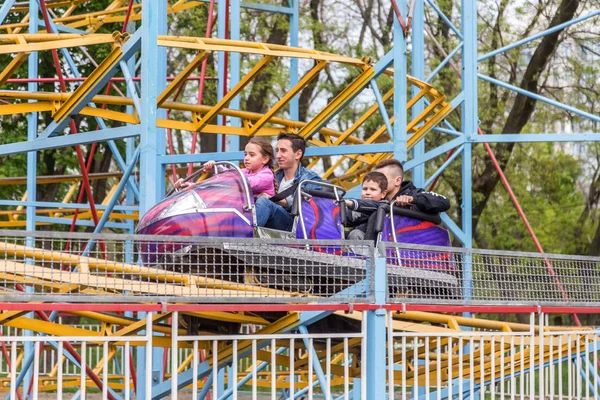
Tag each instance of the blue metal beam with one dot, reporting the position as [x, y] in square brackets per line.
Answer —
[32, 128]
[310, 151]
[70, 140]
[221, 73]
[263, 7]
[152, 145]
[455, 229]
[382, 110]
[113, 201]
[269, 8]
[132, 91]
[435, 152]
[444, 62]
[536, 137]
[418, 71]
[64, 29]
[32, 118]
[234, 74]
[315, 362]
[5, 9]
[470, 123]
[539, 35]
[443, 167]
[294, 41]
[452, 132]
[541, 98]
[457, 101]
[400, 136]
[376, 335]
[445, 18]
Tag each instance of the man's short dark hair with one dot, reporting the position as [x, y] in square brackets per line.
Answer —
[378, 178]
[392, 163]
[298, 142]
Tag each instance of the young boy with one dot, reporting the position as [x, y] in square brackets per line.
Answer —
[374, 190]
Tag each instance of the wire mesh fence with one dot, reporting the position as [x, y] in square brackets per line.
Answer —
[452, 275]
[101, 268]
[132, 268]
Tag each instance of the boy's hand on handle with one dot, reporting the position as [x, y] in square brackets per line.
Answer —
[348, 203]
[209, 166]
[180, 184]
[404, 200]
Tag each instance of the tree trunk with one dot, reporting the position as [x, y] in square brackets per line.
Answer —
[523, 108]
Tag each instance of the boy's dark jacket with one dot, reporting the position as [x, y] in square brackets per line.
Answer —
[423, 201]
[360, 210]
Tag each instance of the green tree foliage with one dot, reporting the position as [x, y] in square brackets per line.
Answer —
[545, 180]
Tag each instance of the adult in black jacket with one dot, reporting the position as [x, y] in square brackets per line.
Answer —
[406, 194]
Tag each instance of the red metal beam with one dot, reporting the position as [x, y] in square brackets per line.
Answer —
[246, 307]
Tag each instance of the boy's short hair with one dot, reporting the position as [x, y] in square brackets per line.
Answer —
[378, 178]
[298, 142]
[392, 163]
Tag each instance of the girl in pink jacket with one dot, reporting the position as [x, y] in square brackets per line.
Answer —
[258, 163]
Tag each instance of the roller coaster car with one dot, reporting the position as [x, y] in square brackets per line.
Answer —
[421, 272]
[223, 206]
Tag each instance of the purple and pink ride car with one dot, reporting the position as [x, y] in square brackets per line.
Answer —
[223, 207]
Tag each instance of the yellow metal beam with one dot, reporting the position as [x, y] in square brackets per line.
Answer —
[306, 79]
[50, 42]
[49, 328]
[90, 82]
[12, 66]
[140, 325]
[337, 103]
[182, 76]
[233, 92]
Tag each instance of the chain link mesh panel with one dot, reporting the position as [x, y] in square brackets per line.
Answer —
[468, 276]
[103, 268]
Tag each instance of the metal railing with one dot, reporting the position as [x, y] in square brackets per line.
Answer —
[420, 274]
[300, 365]
[471, 364]
[69, 354]
[534, 361]
[171, 269]
[136, 268]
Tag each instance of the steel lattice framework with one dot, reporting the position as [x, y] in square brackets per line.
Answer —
[140, 117]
